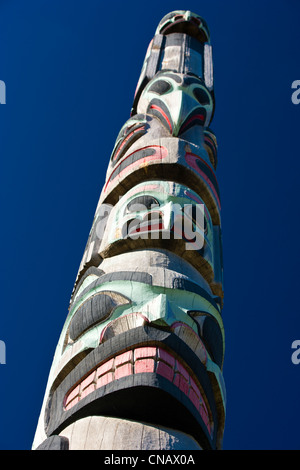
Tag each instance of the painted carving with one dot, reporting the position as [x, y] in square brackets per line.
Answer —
[144, 335]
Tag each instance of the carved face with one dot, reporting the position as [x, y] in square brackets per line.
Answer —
[159, 213]
[128, 338]
[179, 101]
[154, 154]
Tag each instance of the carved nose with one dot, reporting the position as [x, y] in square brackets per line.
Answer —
[180, 103]
[159, 311]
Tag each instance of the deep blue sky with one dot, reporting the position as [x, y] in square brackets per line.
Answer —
[71, 69]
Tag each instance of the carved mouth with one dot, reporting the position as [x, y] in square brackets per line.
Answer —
[145, 359]
[152, 222]
[143, 373]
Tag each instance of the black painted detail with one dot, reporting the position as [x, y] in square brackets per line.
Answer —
[141, 203]
[147, 152]
[160, 87]
[159, 110]
[94, 310]
[133, 276]
[211, 335]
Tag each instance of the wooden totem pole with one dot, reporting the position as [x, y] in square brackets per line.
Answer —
[139, 361]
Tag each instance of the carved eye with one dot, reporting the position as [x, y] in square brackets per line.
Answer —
[141, 203]
[201, 96]
[160, 87]
[94, 310]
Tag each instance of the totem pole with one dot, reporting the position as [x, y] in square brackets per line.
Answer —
[139, 361]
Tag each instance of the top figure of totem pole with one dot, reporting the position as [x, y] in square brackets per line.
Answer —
[139, 361]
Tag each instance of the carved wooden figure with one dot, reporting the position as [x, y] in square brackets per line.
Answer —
[139, 361]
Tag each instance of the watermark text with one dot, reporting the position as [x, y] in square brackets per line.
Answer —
[2, 92]
[171, 221]
[2, 352]
[296, 94]
[296, 354]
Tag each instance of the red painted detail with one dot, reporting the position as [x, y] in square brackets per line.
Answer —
[204, 415]
[145, 362]
[107, 366]
[88, 380]
[88, 390]
[157, 108]
[160, 153]
[144, 365]
[164, 370]
[166, 357]
[197, 157]
[147, 228]
[105, 379]
[179, 368]
[74, 393]
[123, 371]
[181, 383]
[72, 403]
[126, 139]
[195, 387]
[203, 405]
[191, 161]
[191, 119]
[147, 351]
[123, 358]
[194, 399]
[176, 324]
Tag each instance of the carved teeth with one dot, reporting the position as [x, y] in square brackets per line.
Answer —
[144, 359]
